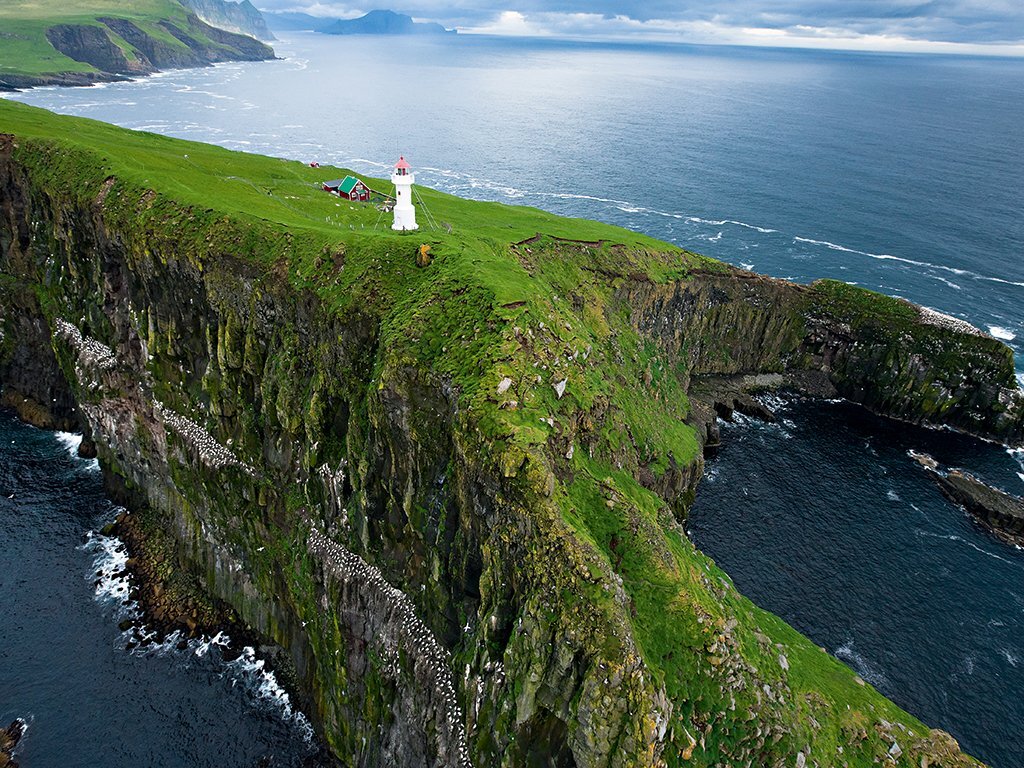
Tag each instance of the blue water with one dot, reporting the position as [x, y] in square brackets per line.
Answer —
[825, 519]
[900, 173]
[64, 665]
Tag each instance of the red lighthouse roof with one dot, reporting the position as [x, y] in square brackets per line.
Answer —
[402, 165]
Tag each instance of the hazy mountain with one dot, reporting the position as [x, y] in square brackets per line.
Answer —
[385, 23]
[290, 21]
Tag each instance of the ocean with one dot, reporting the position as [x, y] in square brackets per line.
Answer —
[66, 668]
[900, 173]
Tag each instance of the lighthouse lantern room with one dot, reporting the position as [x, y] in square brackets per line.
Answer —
[405, 214]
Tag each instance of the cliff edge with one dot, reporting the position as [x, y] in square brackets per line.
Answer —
[453, 491]
[48, 43]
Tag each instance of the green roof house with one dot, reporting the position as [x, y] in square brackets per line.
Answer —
[349, 188]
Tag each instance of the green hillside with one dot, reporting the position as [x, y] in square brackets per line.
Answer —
[55, 41]
[582, 419]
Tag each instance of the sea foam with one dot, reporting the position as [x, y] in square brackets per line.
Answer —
[1005, 334]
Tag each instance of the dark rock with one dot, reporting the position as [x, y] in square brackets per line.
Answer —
[748, 406]
[87, 449]
[9, 739]
[92, 45]
[997, 510]
[125, 625]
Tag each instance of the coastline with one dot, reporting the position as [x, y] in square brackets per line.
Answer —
[244, 459]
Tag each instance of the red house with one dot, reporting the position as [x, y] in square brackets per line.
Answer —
[349, 188]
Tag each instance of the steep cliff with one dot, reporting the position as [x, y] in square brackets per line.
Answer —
[243, 18]
[452, 491]
[50, 44]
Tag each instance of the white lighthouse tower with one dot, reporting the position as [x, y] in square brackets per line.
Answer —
[405, 214]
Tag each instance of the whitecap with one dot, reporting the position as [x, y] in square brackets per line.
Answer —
[954, 537]
[70, 440]
[912, 262]
[251, 673]
[1005, 334]
[109, 557]
[863, 667]
[892, 496]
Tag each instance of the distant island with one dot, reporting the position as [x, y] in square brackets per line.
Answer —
[379, 22]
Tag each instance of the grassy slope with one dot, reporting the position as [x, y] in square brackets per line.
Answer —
[480, 312]
[24, 49]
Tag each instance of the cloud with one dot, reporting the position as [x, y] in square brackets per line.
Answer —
[968, 26]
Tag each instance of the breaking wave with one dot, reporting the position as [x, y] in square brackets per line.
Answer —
[863, 667]
[1004, 334]
[912, 262]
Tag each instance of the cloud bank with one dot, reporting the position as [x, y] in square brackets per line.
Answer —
[964, 26]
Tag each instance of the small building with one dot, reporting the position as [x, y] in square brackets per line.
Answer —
[349, 188]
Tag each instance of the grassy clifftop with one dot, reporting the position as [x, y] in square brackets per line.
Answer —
[515, 417]
[76, 42]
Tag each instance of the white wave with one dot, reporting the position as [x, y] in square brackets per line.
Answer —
[1011, 658]
[109, 556]
[251, 673]
[971, 544]
[746, 266]
[203, 646]
[734, 222]
[70, 440]
[1002, 333]
[913, 262]
[863, 667]
[893, 496]
[950, 283]
[969, 664]
[762, 230]
[113, 589]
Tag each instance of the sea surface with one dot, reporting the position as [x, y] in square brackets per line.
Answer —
[65, 667]
[900, 173]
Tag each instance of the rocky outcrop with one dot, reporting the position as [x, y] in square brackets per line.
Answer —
[834, 340]
[1000, 512]
[92, 45]
[448, 594]
[10, 737]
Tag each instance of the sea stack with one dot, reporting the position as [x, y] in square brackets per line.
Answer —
[405, 214]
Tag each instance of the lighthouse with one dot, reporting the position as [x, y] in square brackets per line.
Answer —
[405, 214]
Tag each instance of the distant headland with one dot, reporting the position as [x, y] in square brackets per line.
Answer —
[379, 22]
[80, 43]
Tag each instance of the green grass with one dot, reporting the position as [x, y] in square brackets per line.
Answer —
[499, 302]
[24, 49]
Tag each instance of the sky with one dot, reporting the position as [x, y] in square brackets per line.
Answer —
[950, 26]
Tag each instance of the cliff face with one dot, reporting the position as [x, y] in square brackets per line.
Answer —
[458, 581]
[120, 48]
[832, 339]
[243, 18]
